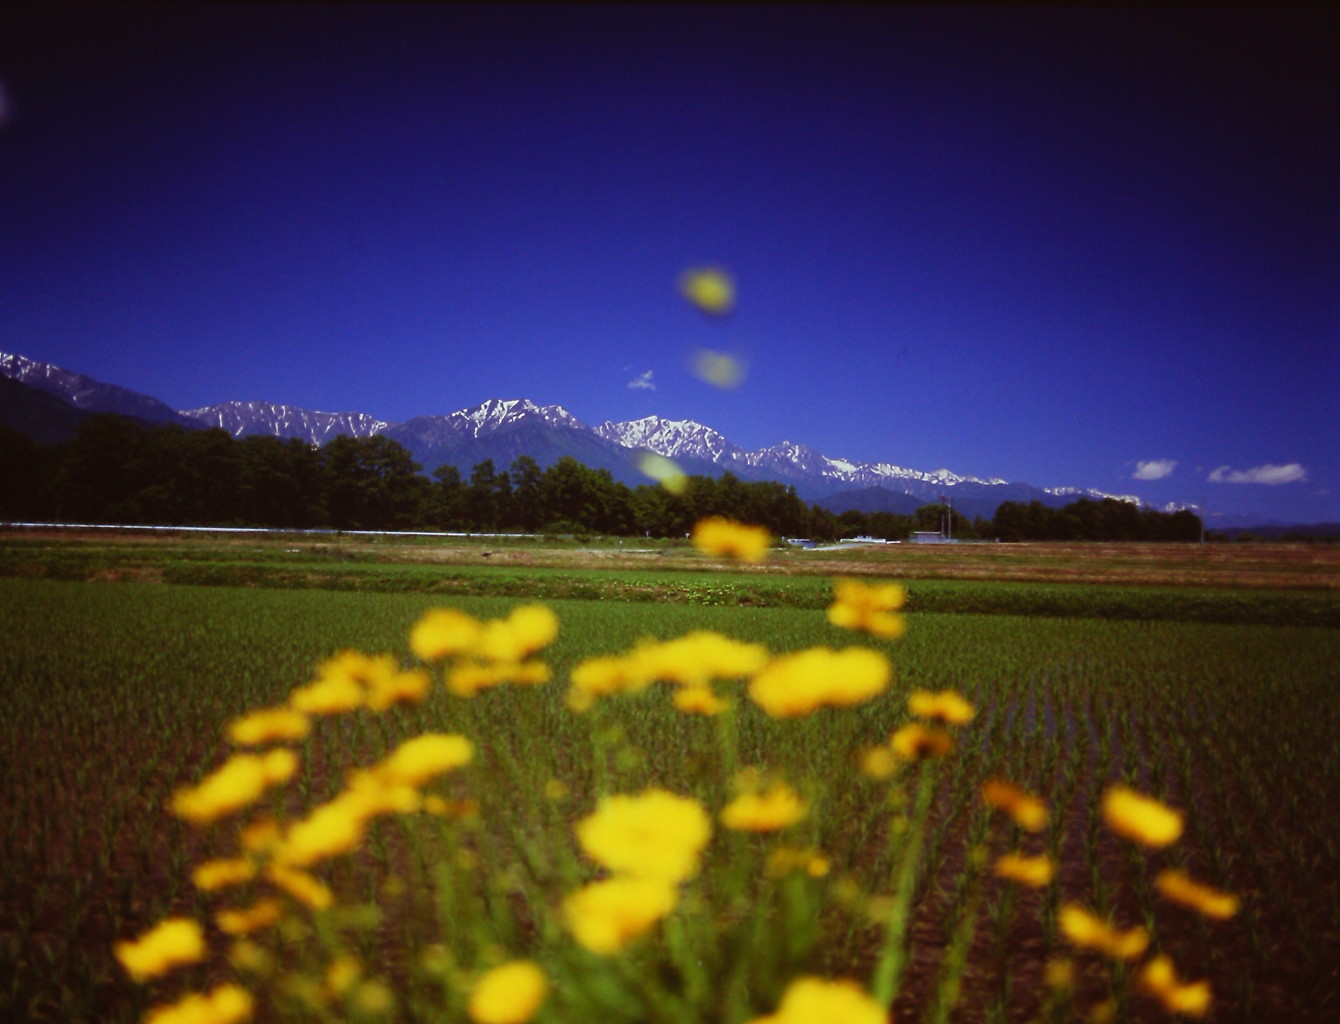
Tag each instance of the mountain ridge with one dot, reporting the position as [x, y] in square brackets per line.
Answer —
[501, 429]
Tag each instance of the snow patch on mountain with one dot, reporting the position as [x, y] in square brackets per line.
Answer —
[243, 419]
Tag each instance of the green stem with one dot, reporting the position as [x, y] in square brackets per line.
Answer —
[889, 969]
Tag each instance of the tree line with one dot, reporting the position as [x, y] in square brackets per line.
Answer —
[118, 470]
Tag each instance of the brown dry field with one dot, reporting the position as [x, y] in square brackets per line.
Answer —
[1250, 565]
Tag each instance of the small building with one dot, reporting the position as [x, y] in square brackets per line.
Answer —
[930, 537]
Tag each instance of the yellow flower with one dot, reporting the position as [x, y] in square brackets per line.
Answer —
[664, 471]
[1140, 818]
[695, 659]
[178, 940]
[1027, 811]
[269, 725]
[244, 921]
[917, 742]
[443, 632]
[342, 972]
[422, 758]
[699, 700]
[222, 873]
[720, 369]
[304, 888]
[654, 834]
[331, 829]
[819, 1001]
[1177, 886]
[227, 1004]
[879, 762]
[947, 706]
[711, 289]
[764, 811]
[796, 684]
[331, 695]
[1085, 929]
[605, 916]
[868, 607]
[509, 994]
[526, 630]
[468, 677]
[1160, 980]
[386, 689]
[260, 836]
[239, 782]
[602, 676]
[717, 535]
[1034, 872]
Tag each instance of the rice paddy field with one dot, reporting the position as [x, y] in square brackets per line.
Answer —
[1204, 677]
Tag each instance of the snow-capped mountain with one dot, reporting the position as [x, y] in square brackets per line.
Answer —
[246, 418]
[86, 393]
[675, 439]
[503, 429]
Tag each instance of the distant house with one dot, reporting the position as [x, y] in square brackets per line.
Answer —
[930, 537]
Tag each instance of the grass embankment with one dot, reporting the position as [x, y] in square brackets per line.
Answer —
[1280, 584]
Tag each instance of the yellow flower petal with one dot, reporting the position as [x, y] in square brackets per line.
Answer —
[509, 994]
[1140, 818]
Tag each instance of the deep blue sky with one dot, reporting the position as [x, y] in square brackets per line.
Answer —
[1046, 245]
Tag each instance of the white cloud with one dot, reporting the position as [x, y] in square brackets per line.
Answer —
[1154, 469]
[643, 382]
[1268, 474]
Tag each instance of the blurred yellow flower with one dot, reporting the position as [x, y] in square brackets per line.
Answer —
[509, 994]
[879, 762]
[654, 834]
[386, 689]
[784, 860]
[226, 1004]
[1178, 886]
[796, 684]
[1027, 811]
[717, 535]
[329, 830]
[917, 742]
[222, 873]
[819, 1001]
[695, 659]
[602, 676]
[261, 914]
[699, 700]
[947, 706]
[868, 607]
[1083, 928]
[720, 369]
[526, 630]
[711, 289]
[1034, 872]
[664, 471]
[420, 759]
[237, 783]
[605, 916]
[269, 725]
[305, 888]
[1140, 818]
[442, 632]
[342, 972]
[768, 810]
[1160, 980]
[260, 836]
[175, 941]
[331, 694]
